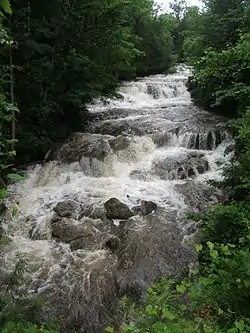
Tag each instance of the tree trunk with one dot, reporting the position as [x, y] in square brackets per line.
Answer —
[12, 99]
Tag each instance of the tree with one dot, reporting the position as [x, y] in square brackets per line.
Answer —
[221, 79]
[193, 45]
[7, 109]
[223, 22]
[178, 7]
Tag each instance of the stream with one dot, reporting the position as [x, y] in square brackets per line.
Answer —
[151, 146]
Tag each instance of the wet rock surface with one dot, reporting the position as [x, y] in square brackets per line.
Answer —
[199, 197]
[88, 234]
[115, 209]
[83, 145]
[151, 249]
[182, 166]
[67, 208]
[145, 208]
[3, 208]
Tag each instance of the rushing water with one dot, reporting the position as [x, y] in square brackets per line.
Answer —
[153, 144]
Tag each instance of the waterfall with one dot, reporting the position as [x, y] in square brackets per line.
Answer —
[152, 144]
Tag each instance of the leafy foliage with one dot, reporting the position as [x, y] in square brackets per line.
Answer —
[237, 174]
[221, 80]
[193, 40]
[12, 327]
[219, 49]
[5, 5]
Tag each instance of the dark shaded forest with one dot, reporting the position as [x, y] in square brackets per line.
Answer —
[57, 56]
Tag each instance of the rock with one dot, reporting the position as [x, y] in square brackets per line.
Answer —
[90, 296]
[115, 209]
[82, 235]
[84, 145]
[181, 166]
[87, 234]
[97, 213]
[120, 142]
[66, 208]
[3, 208]
[151, 247]
[147, 207]
[112, 243]
[92, 211]
[136, 210]
[199, 196]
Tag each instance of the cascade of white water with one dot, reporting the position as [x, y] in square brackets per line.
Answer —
[151, 145]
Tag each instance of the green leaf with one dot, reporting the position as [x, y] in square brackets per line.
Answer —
[220, 311]
[240, 325]
[14, 211]
[152, 310]
[109, 329]
[210, 245]
[206, 281]
[180, 288]
[130, 329]
[214, 254]
[15, 177]
[159, 327]
[167, 314]
[232, 330]
[225, 250]
[3, 193]
[194, 270]
[5, 4]
[198, 247]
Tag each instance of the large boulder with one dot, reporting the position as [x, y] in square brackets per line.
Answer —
[147, 207]
[180, 166]
[88, 234]
[67, 208]
[115, 209]
[151, 247]
[84, 145]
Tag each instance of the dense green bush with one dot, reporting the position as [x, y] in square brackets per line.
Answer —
[227, 223]
[13, 327]
[221, 80]
[237, 174]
